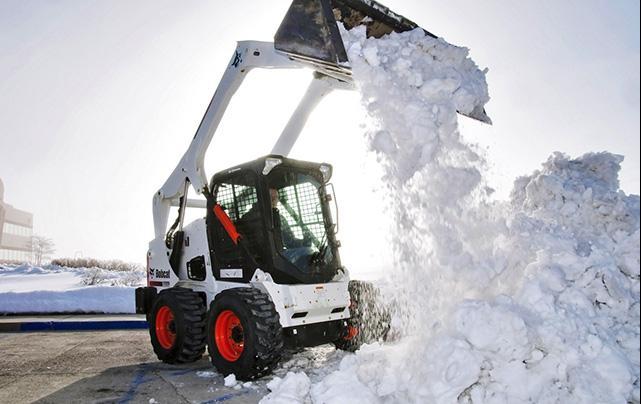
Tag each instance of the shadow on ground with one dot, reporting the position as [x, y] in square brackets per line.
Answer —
[196, 382]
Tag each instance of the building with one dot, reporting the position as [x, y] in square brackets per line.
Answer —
[16, 229]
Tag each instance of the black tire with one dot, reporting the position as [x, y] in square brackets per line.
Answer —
[261, 334]
[188, 326]
[369, 318]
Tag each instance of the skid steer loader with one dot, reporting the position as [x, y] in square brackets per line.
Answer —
[261, 269]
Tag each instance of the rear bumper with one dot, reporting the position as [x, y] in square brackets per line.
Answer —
[314, 334]
[145, 299]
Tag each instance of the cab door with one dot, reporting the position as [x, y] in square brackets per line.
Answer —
[239, 196]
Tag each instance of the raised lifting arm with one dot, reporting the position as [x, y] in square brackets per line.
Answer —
[320, 86]
[247, 56]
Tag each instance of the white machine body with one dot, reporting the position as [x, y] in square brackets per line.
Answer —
[296, 304]
[318, 302]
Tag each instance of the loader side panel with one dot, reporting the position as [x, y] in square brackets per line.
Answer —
[195, 263]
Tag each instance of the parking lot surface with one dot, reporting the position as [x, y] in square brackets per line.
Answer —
[106, 367]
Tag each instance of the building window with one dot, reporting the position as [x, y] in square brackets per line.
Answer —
[17, 230]
[14, 255]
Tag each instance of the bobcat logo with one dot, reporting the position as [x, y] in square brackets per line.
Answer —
[159, 273]
[237, 59]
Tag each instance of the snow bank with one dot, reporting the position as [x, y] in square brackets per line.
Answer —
[56, 289]
[531, 300]
[91, 299]
[24, 270]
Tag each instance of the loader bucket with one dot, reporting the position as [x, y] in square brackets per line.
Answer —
[309, 32]
[309, 29]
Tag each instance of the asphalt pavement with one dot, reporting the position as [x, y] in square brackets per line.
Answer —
[115, 366]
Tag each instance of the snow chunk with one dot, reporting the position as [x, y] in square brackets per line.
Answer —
[493, 328]
[206, 373]
[294, 388]
[230, 380]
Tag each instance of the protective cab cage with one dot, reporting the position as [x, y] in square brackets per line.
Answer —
[245, 189]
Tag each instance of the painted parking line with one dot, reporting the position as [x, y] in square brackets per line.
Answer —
[138, 379]
[31, 326]
[226, 397]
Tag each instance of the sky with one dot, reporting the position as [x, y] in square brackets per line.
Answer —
[100, 99]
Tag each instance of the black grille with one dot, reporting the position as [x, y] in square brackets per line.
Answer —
[236, 199]
[301, 208]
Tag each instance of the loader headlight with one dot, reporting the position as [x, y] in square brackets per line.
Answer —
[326, 171]
[270, 163]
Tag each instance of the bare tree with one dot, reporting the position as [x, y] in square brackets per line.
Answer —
[41, 247]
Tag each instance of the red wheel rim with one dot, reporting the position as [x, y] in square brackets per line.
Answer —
[165, 327]
[351, 333]
[228, 332]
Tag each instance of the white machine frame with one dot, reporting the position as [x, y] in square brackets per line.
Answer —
[317, 300]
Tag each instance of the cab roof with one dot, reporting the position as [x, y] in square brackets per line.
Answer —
[258, 165]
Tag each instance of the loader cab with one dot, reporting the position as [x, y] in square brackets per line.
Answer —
[282, 208]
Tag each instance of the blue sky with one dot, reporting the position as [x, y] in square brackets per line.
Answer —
[100, 99]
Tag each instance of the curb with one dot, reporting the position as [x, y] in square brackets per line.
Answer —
[32, 326]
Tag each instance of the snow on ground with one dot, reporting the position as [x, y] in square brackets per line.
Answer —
[535, 299]
[55, 289]
[27, 278]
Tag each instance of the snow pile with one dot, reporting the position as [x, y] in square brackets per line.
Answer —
[56, 289]
[531, 300]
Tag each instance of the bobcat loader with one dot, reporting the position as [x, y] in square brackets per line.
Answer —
[261, 270]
